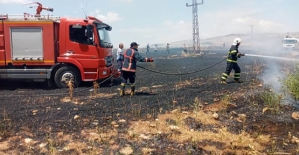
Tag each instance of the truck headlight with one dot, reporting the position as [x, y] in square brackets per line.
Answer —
[108, 61]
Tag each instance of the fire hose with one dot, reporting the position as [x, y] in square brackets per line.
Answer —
[60, 94]
[154, 71]
[165, 73]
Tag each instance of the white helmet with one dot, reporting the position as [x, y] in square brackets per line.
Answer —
[236, 41]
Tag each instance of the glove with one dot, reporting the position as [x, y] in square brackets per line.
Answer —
[240, 54]
[150, 60]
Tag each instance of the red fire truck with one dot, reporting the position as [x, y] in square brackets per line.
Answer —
[46, 48]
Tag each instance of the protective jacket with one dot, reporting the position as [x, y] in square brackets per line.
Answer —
[233, 54]
[131, 56]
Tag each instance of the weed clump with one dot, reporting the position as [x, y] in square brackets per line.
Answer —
[271, 100]
[95, 87]
[70, 85]
[292, 82]
[5, 126]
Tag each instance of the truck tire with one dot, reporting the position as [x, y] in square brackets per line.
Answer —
[66, 73]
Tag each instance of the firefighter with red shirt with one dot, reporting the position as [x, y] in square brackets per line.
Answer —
[131, 56]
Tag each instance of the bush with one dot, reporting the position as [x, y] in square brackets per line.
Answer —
[292, 82]
[271, 100]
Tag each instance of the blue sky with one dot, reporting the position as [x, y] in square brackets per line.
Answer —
[162, 21]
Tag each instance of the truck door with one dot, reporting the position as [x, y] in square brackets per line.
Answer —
[80, 46]
[2, 44]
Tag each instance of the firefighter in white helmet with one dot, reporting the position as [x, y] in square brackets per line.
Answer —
[232, 58]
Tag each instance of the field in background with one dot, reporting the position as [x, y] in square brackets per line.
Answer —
[258, 41]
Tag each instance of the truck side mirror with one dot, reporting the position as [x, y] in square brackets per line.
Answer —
[109, 28]
[89, 32]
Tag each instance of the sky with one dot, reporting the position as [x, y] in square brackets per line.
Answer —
[163, 21]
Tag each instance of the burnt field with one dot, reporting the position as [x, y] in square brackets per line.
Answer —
[189, 114]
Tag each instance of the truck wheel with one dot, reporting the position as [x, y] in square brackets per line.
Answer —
[64, 74]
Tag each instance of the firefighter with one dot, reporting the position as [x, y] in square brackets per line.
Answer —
[120, 56]
[131, 56]
[232, 58]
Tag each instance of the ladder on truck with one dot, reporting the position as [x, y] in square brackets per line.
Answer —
[28, 17]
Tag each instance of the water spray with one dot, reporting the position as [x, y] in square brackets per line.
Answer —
[272, 57]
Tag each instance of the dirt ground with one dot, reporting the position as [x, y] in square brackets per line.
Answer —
[190, 114]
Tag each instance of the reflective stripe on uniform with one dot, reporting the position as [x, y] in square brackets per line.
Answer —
[232, 52]
[237, 75]
[229, 60]
[131, 58]
[223, 77]
[129, 70]
[224, 74]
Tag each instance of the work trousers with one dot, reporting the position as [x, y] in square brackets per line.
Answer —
[229, 67]
[119, 65]
[125, 75]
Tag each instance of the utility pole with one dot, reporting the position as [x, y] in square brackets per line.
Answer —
[196, 42]
[251, 26]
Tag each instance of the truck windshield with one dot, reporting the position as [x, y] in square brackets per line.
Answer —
[290, 41]
[103, 34]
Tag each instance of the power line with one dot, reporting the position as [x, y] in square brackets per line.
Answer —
[196, 41]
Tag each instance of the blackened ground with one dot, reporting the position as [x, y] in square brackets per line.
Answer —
[46, 115]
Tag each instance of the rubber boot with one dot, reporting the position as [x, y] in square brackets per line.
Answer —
[132, 90]
[223, 81]
[122, 89]
[238, 81]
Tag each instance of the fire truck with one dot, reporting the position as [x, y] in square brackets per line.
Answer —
[289, 42]
[57, 50]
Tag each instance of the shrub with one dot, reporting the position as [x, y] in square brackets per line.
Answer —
[271, 100]
[292, 82]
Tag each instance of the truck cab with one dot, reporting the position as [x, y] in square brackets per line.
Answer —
[289, 43]
[86, 43]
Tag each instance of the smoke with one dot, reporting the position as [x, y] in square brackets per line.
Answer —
[269, 45]
[273, 73]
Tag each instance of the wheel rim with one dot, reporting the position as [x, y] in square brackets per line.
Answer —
[66, 77]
